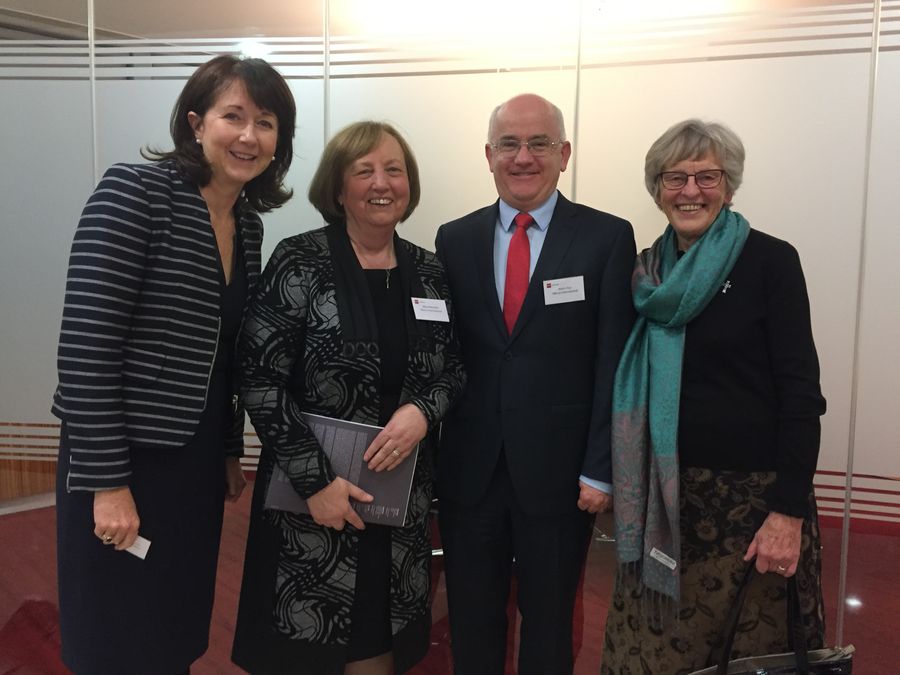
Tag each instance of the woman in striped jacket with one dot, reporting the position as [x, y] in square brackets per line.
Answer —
[163, 259]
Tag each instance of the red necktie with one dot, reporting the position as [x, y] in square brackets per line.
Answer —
[518, 260]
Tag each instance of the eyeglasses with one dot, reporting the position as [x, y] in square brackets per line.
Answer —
[537, 146]
[675, 180]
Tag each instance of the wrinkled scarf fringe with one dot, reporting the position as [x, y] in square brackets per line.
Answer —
[658, 609]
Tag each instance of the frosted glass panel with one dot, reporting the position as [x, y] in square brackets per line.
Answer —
[45, 175]
[45, 178]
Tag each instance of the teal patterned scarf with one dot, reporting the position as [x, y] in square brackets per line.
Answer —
[647, 394]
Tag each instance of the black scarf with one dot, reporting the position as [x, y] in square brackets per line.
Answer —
[359, 328]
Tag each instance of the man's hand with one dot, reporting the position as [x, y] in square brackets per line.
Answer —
[593, 500]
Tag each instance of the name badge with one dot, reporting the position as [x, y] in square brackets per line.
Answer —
[558, 291]
[664, 559]
[430, 309]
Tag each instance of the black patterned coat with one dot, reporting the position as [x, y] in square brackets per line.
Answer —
[309, 344]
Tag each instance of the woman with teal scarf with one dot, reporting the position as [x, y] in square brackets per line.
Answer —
[715, 425]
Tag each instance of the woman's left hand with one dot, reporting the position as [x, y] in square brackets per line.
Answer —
[234, 479]
[396, 441]
[776, 545]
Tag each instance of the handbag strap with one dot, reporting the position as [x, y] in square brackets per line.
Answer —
[796, 634]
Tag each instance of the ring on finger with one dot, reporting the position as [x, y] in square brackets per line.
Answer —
[781, 568]
[395, 452]
[107, 539]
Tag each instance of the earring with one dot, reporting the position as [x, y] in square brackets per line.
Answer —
[199, 142]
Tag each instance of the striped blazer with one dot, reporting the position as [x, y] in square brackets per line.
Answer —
[141, 321]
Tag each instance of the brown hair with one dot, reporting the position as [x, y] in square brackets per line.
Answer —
[347, 146]
[268, 90]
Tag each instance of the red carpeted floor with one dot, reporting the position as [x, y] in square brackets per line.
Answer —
[29, 636]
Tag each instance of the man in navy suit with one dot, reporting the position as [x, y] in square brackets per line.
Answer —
[524, 460]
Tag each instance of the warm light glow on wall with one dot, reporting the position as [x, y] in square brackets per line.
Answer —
[524, 33]
[617, 30]
[629, 11]
[474, 21]
[521, 19]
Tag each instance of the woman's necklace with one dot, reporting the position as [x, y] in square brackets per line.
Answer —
[374, 265]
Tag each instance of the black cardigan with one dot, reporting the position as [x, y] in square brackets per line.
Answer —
[750, 396]
[141, 320]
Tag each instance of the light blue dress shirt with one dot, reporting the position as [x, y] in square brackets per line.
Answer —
[503, 234]
[537, 233]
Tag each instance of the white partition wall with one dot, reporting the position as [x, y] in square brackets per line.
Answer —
[811, 86]
[877, 437]
[45, 173]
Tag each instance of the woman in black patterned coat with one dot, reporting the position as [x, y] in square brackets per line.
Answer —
[332, 331]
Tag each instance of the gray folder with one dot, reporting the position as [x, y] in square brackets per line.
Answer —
[344, 443]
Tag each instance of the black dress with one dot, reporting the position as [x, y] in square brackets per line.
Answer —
[119, 613]
[370, 630]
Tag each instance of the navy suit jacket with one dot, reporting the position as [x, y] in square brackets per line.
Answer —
[542, 394]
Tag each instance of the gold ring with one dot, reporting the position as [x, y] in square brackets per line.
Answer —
[395, 453]
[106, 539]
[782, 569]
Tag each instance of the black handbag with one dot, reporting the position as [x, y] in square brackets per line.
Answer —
[800, 661]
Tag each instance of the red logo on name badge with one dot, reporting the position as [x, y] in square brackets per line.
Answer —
[415, 301]
[549, 284]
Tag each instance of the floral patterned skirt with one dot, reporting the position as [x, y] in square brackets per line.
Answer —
[720, 512]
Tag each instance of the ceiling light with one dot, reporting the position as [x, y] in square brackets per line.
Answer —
[251, 49]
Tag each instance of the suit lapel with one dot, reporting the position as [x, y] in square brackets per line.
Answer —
[560, 236]
[483, 237]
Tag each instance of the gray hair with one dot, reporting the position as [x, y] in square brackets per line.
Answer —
[692, 139]
[554, 110]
